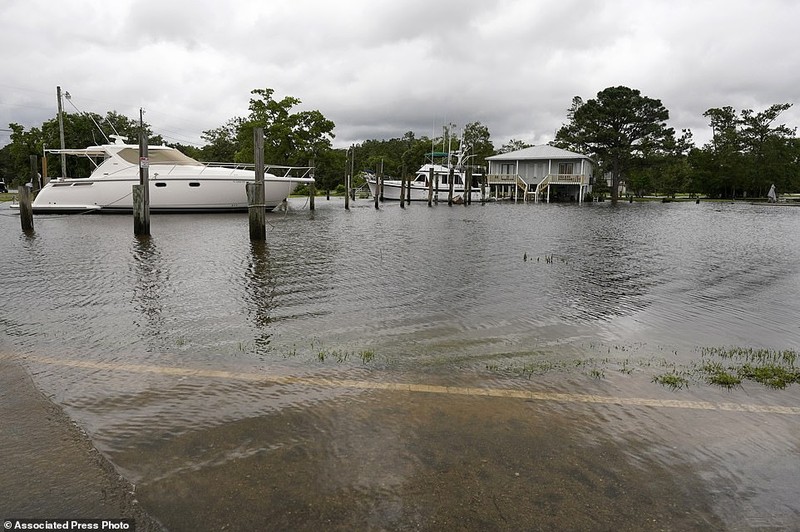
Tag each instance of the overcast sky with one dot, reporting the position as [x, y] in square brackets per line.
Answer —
[378, 69]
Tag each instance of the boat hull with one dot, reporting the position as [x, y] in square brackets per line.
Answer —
[174, 195]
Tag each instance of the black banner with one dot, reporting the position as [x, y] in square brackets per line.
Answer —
[127, 525]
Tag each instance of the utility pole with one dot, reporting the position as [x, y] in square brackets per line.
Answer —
[61, 132]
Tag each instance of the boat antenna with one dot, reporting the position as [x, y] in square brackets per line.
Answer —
[433, 144]
[69, 99]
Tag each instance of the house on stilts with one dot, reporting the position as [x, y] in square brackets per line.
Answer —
[540, 173]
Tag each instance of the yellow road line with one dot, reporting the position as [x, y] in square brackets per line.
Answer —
[415, 388]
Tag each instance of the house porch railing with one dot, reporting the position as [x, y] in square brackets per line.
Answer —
[580, 180]
[534, 190]
[554, 179]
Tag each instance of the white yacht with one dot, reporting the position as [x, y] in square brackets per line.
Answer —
[178, 183]
[419, 185]
[441, 174]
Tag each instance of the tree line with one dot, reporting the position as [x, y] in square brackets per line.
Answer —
[627, 134]
[624, 131]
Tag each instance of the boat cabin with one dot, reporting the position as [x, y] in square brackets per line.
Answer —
[439, 171]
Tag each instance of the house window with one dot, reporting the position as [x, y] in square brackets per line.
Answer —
[565, 168]
[507, 168]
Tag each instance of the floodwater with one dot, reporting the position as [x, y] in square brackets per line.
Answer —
[477, 368]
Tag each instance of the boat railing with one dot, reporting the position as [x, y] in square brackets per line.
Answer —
[295, 172]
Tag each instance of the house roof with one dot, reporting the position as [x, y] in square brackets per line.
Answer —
[543, 151]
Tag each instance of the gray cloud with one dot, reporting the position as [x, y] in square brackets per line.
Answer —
[379, 69]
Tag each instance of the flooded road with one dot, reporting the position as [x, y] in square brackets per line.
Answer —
[483, 367]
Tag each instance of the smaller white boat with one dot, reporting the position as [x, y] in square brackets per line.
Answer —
[418, 187]
[177, 183]
[420, 183]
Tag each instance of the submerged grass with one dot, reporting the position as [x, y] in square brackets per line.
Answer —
[341, 356]
[673, 380]
[593, 367]
[724, 367]
[729, 367]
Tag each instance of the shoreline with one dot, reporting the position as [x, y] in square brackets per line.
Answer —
[51, 468]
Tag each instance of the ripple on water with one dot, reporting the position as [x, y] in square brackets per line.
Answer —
[487, 294]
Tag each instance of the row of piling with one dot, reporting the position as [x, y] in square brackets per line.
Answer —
[255, 192]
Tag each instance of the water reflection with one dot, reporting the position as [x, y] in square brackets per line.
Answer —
[437, 295]
[259, 288]
[150, 277]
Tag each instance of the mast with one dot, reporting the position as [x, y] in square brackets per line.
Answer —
[61, 132]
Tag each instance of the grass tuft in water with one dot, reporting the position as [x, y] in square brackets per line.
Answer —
[770, 375]
[728, 367]
[367, 356]
[672, 380]
[340, 356]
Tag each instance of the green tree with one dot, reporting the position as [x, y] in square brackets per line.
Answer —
[23, 145]
[478, 140]
[292, 138]
[329, 169]
[665, 170]
[724, 165]
[619, 127]
[747, 153]
[222, 142]
[6, 172]
[765, 147]
[514, 145]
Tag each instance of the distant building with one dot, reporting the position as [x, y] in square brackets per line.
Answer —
[540, 173]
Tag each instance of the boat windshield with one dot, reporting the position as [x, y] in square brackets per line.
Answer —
[161, 156]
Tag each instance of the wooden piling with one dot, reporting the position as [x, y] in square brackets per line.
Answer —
[377, 194]
[255, 191]
[141, 218]
[347, 179]
[380, 179]
[141, 192]
[450, 188]
[256, 212]
[402, 191]
[468, 188]
[408, 191]
[25, 208]
[436, 187]
[483, 189]
[430, 186]
[312, 187]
